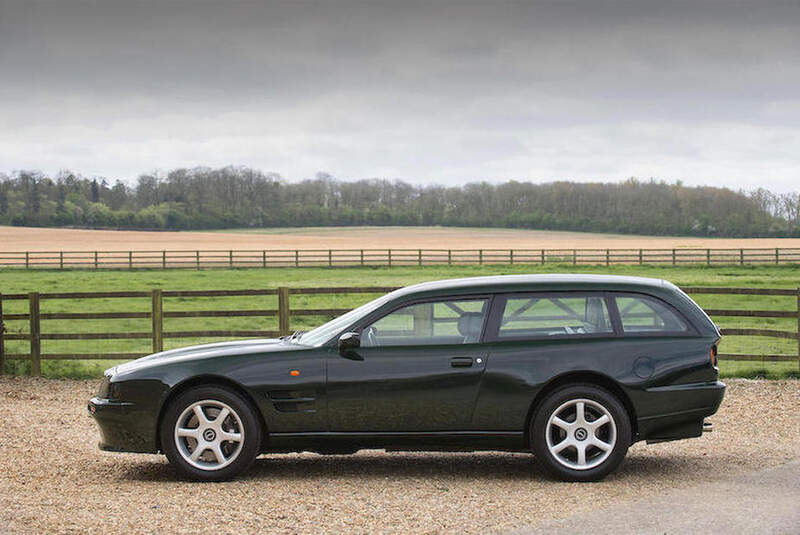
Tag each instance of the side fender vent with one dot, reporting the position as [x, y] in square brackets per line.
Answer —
[293, 400]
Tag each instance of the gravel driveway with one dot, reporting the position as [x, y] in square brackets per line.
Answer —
[54, 479]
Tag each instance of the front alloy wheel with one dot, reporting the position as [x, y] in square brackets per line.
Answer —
[210, 433]
[580, 433]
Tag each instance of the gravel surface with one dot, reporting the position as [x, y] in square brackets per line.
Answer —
[54, 479]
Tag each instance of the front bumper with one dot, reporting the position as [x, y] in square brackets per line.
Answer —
[121, 426]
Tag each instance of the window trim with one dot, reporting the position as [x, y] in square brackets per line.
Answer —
[378, 315]
[690, 331]
[492, 331]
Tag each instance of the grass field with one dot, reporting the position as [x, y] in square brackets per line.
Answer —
[15, 281]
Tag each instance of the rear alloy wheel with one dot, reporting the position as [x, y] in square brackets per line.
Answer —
[210, 433]
[580, 433]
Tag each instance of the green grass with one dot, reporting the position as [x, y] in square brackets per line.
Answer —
[20, 281]
[759, 370]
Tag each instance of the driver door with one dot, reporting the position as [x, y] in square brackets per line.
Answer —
[418, 369]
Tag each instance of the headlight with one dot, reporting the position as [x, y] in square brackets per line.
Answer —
[114, 391]
[102, 393]
[108, 390]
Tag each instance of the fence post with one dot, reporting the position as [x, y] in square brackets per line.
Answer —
[608, 258]
[390, 257]
[362, 257]
[673, 257]
[480, 257]
[27, 259]
[542, 251]
[283, 311]
[741, 257]
[640, 257]
[164, 259]
[263, 259]
[330, 257]
[197, 259]
[158, 321]
[95, 260]
[511, 256]
[61, 260]
[296, 258]
[449, 257]
[230, 258]
[777, 256]
[708, 257]
[419, 256]
[35, 332]
[2, 341]
[130, 259]
[574, 257]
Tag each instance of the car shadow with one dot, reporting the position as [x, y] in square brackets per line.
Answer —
[365, 464]
[368, 465]
[379, 465]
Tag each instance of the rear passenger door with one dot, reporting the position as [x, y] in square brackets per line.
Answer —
[535, 337]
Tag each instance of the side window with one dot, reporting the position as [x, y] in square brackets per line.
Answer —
[641, 314]
[537, 316]
[434, 323]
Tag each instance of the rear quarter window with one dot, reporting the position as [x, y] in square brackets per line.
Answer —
[641, 315]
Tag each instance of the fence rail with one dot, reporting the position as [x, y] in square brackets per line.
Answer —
[200, 259]
[284, 314]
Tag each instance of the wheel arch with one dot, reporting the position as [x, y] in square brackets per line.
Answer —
[589, 377]
[209, 380]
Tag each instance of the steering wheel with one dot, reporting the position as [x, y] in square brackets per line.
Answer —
[369, 335]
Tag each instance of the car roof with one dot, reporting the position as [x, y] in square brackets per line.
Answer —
[541, 282]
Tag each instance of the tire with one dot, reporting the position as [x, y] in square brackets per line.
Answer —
[237, 439]
[557, 436]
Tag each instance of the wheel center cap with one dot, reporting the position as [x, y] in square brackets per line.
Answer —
[209, 435]
[581, 433]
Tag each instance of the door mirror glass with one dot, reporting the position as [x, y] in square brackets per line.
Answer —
[349, 341]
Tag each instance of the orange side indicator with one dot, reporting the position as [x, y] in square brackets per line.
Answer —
[294, 373]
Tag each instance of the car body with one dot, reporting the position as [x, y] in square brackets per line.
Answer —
[465, 364]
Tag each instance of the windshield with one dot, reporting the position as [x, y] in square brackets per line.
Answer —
[325, 332]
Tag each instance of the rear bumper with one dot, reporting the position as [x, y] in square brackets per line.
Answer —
[121, 426]
[688, 405]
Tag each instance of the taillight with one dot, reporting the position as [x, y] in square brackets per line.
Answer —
[713, 355]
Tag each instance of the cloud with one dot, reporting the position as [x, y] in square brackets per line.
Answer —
[443, 92]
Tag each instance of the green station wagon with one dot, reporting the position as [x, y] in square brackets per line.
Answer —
[574, 368]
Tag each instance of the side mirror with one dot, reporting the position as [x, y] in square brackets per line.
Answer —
[348, 343]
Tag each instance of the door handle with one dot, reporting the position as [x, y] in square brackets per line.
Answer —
[461, 362]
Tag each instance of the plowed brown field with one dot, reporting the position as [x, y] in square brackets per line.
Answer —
[56, 239]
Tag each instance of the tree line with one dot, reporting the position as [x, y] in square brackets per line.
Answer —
[231, 197]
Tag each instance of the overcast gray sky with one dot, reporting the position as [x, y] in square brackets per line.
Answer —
[446, 92]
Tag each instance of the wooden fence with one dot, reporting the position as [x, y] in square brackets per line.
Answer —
[284, 313]
[199, 259]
